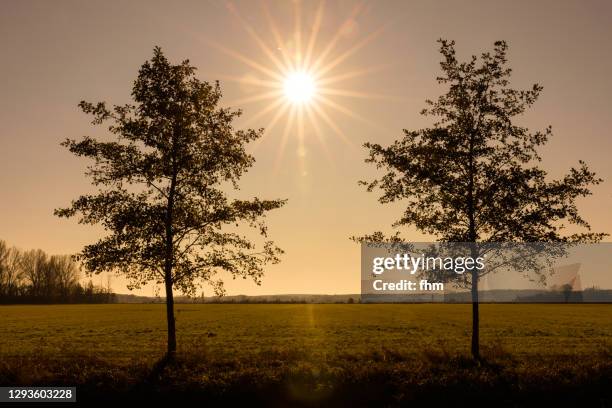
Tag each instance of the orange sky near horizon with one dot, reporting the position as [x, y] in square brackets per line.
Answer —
[58, 53]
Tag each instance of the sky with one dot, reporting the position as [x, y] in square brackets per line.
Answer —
[380, 59]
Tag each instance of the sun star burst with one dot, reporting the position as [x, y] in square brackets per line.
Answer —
[297, 80]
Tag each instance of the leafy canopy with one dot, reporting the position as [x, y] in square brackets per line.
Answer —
[162, 183]
[473, 176]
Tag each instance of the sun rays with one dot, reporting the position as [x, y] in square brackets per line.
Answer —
[301, 77]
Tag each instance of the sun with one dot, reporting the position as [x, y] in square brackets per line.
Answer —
[299, 87]
[297, 77]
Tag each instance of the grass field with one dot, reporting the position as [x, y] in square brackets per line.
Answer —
[314, 354]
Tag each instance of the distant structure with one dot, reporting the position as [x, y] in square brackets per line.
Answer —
[566, 275]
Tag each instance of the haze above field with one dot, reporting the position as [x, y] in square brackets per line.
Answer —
[58, 53]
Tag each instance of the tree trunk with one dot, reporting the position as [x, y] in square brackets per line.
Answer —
[168, 280]
[170, 319]
[475, 317]
[473, 238]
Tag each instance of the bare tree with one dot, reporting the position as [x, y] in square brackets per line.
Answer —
[34, 264]
[14, 272]
[66, 273]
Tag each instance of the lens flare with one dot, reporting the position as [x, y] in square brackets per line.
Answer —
[299, 87]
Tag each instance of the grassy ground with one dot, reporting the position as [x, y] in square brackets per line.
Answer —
[315, 354]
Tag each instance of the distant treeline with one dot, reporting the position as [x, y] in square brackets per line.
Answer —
[273, 299]
[258, 299]
[588, 295]
[35, 277]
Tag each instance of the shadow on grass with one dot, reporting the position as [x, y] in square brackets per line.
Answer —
[383, 377]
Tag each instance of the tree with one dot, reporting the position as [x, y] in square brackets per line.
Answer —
[473, 177]
[66, 274]
[5, 252]
[13, 273]
[34, 263]
[161, 187]
[4, 255]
